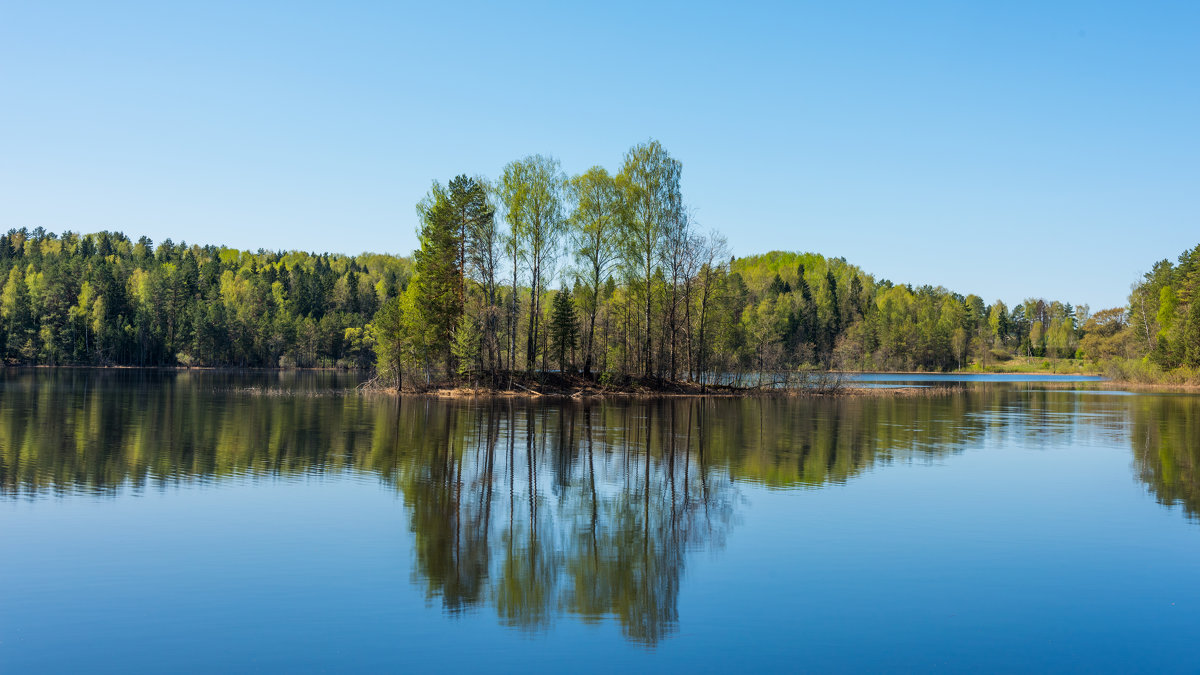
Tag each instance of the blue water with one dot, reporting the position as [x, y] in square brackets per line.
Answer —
[183, 524]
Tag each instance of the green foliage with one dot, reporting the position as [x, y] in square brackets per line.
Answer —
[649, 183]
[532, 191]
[1145, 371]
[389, 336]
[438, 268]
[1164, 311]
[564, 329]
[657, 298]
[465, 345]
[1156, 338]
[100, 299]
[595, 232]
[1107, 336]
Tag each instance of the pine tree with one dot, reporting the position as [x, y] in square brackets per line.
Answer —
[564, 328]
[778, 286]
[438, 272]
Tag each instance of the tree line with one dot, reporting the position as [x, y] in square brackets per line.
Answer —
[610, 275]
[1157, 335]
[102, 299]
[603, 274]
[637, 282]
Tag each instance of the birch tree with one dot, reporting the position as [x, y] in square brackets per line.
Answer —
[595, 223]
[532, 192]
[649, 181]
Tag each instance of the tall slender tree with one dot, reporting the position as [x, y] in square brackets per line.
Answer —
[532, 192]
[595, 224]
[480, 252]
[649, 180]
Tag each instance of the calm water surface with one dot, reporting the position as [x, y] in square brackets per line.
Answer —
[928, 378]
[194, 522]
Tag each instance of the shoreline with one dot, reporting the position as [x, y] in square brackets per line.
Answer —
[207, 369]
[575, 387]
[480, 393]
[963, 372]
[1127, 386]
[334, 369]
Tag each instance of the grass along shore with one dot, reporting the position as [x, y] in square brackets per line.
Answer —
[1127, 372]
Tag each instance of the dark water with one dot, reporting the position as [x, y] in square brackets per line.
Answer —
[200, 522]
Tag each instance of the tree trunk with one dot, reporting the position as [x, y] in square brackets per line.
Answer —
[587, 360]
[647, 350]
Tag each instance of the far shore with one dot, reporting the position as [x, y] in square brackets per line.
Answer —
[334, 369]
[838, 392]
[577, 387]
[643, 393]
[965, 372]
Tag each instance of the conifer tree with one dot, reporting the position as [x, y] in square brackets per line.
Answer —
[564, 329]
[438, 273]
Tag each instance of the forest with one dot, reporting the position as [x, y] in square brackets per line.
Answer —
[606, 275]
[102, 299]
[1156, 338]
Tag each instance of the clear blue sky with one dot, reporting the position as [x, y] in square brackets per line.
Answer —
[1005, 148]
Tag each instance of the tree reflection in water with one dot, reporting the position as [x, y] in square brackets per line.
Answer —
[543, 510]
[1166, 449]
[537, 510]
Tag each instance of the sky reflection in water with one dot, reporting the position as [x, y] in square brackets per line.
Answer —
[1000, 527]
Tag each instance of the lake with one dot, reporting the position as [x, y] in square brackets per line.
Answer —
[199, 521]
